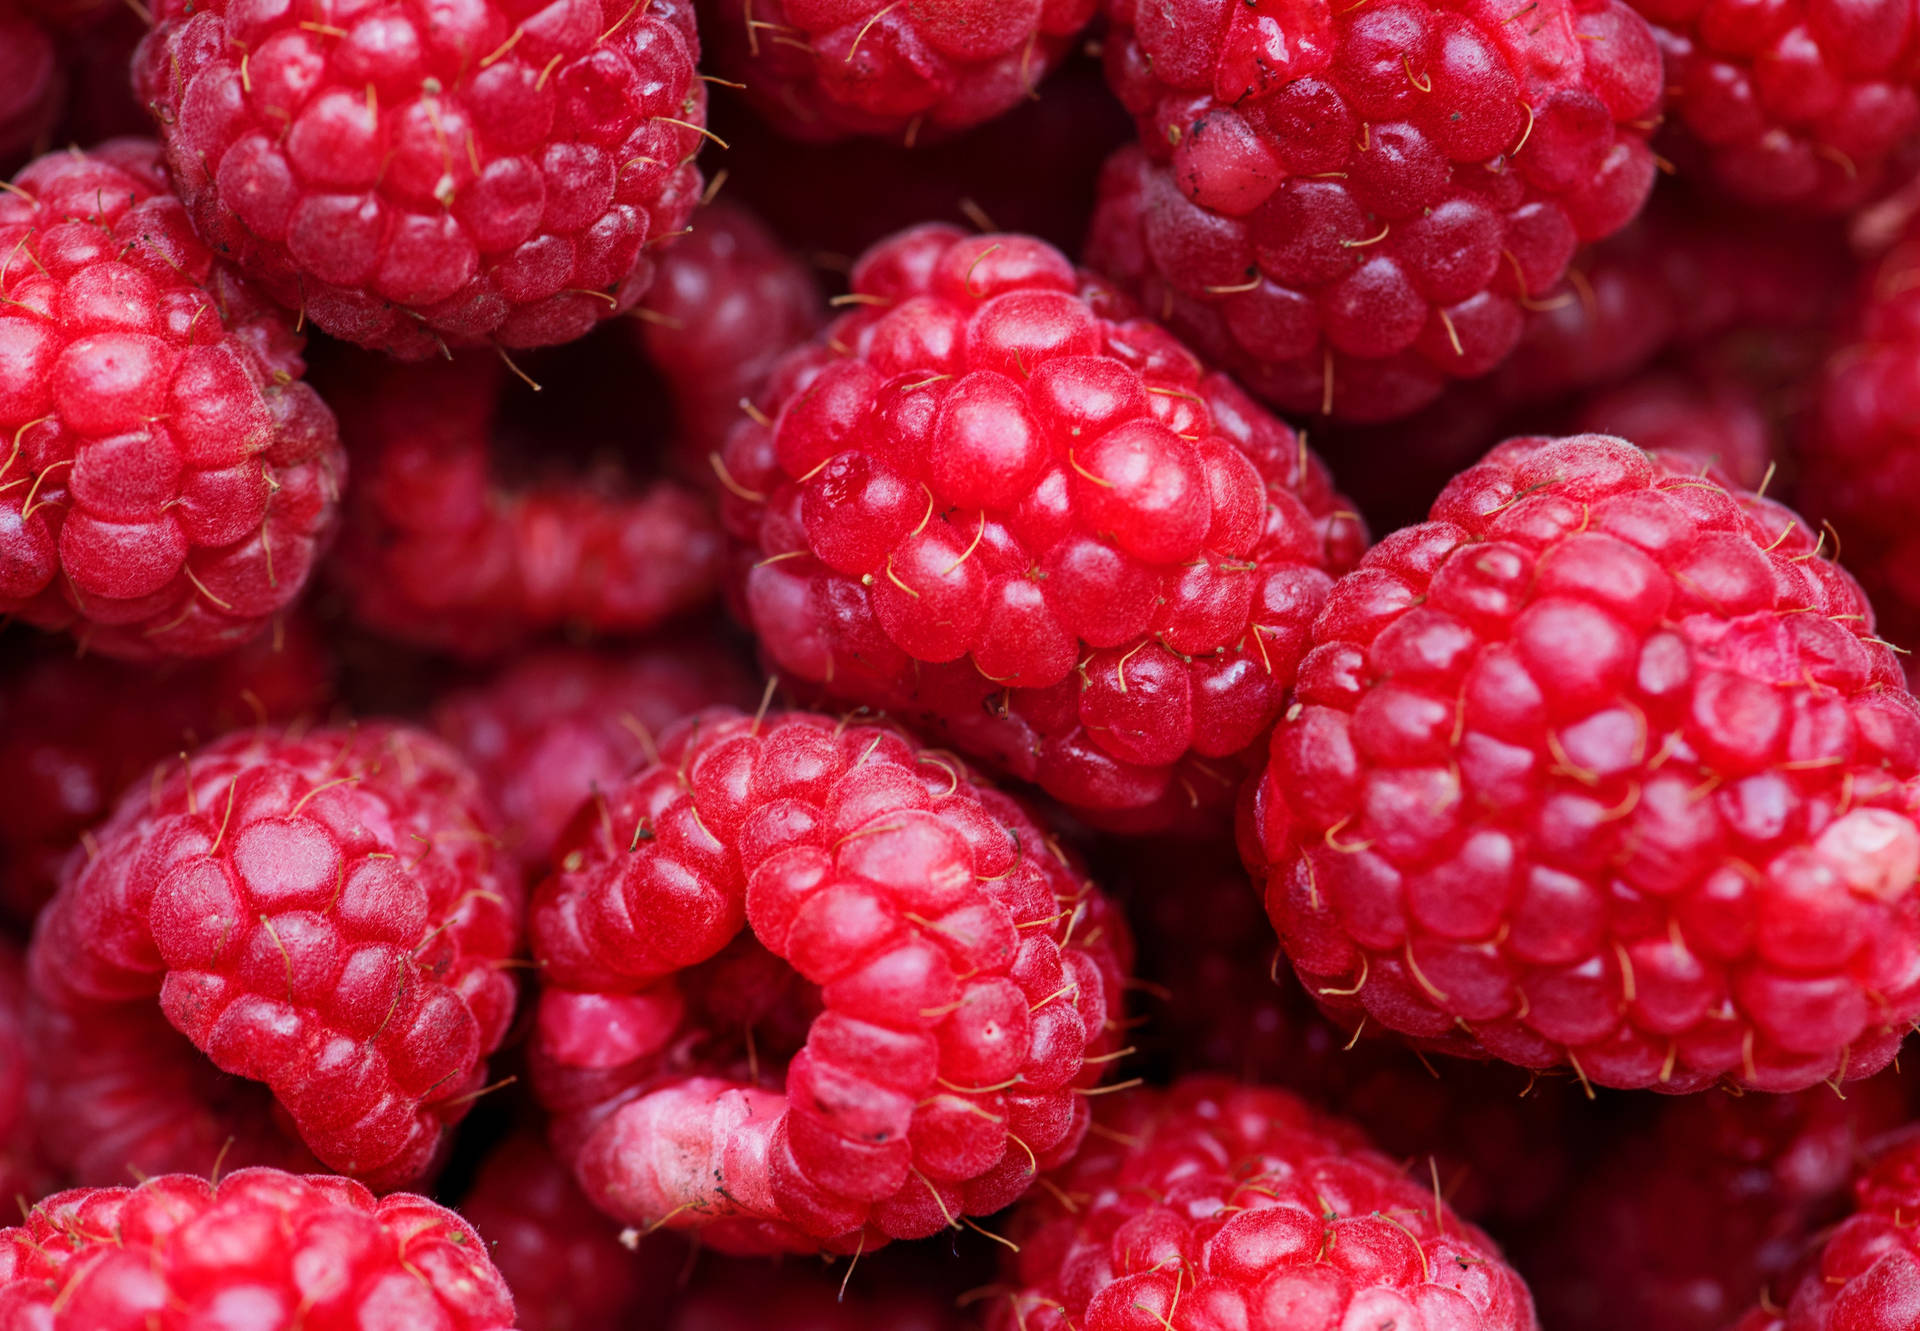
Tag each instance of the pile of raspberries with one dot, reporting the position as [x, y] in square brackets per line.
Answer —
[994, 665]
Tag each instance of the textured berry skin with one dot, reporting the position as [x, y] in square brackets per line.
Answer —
[417, 176]
[1602, 767]
[1865, 1274]
[1676, 1227]
[260, 1249]
[725, 304]
[75, 733]
[32, 85]
[960, 984]
[818, 72]
[1244, 1207]
[169, 480]
[1349, 205]
[1034, 524]
[326, 914]
[446, 547]
[555, 726]
[1802, 103]
[563, 1260]
[1717, 423]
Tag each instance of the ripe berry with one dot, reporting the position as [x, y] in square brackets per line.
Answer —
[258, 1249]
[907, 72]
[1349, 205]
[1604, 767]
[460, 540]
[926, 989]
[324, 913]
[1243, 1207]
[1799, 103]
[169, 481]
[555, 726]
[414, 178]
[991, 500]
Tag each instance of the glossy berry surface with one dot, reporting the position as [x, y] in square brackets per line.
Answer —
[817, 72]
[168, 482]
[557, 725]
[993, 501]
[1245, 1207]
[259, 1249]
[323, 913]
[927, 985]
[1603, 767]
[466, 539]
[1805, 103]
[1349, 205]
[417, 176]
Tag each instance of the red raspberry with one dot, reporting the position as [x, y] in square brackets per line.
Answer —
[325, 914]
[1676, 1227]
[258, 1249]
[1603, 767]
[890, 70]
[1242, 1206]
[555, 726]
[169, 481]
[1717, 422]
[563, 1260]
[446, 547]
[966, 983]
[1803, 103]
[75, 733]
[32, 85]
[1347, 205]
[1034, 524]
[1865, 1275]
[727, 302]
[416, 177]
[21, 1172]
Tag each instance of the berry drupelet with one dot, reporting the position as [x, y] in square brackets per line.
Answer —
[166, 480]
[1603, 767]
[993, 501]
[926, 986]
[418, 176]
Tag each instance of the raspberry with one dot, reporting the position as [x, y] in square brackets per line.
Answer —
[555, 726]
[893, 71]
[1034, 525]
[563, 1260]
[446, 548]
[325, 914]
[414, 177]
[260, 1248]
[1676, 1227]
[1244, 1207]
[170, 481]
[75, 733]
[927, 989]
[21, 1173]
[1798, 103]
[1348, 209]
[1865, 1275]
[725, 304]
[1603, 767]
[32, 86]
[1716, 422]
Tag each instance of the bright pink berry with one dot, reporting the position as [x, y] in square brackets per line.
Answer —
[555, 726]
[260, 1249]
[1603, 767]
[75, 733]
[416, 176]
[1241, 1206]
[323, 913]
[991, 500]
[1806, 103]
[1348, 205]
[169, 481]
[462, 538]
[926, 987]
[817, 72]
